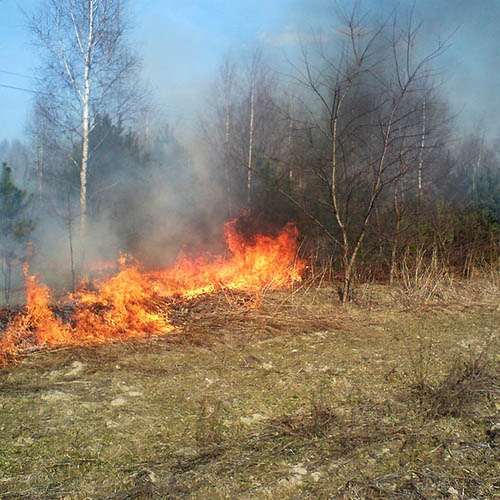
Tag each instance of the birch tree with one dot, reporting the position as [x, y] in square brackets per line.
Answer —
[86, 69]
[261, 123]
[251, 116]
[244, 129]
[363, 128]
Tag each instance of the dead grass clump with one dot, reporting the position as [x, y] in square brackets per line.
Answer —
[470, 377]
[423, 279]
[209, 426]
[315, 422]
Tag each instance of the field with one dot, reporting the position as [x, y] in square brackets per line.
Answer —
[391, 396]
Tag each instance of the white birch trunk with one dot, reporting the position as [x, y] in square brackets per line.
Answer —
[250, 140]
[85, 125]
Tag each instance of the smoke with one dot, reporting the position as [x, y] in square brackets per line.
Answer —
[468, 76]
[150, 208]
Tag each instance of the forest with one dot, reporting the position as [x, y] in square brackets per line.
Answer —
[353, 141]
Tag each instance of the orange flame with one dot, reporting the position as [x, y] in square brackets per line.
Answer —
[133, 303]
[266, 261]
[38, 325]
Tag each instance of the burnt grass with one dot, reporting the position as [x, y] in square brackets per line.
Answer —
[290, 396]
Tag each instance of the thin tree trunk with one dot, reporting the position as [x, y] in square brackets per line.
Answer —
[395, 242]
[71, 253]
[4, 274]
[421, 154]
[349, 263]
[85, 127]
[476, 167]
[344, 293]
[250, 141]
[40, 164]
[226, 149]
[9, 280]
[7, 275]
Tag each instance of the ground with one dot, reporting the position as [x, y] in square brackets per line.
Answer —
[294, 397]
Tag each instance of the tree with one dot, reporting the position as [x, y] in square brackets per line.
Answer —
[227, 72]
[362, 128]
[117, 160]
[86, 69]
[15, 227]
[414, 193]
[17, 155]
[119, 169]
[245, 131]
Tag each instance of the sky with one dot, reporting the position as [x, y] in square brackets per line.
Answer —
[182, 43]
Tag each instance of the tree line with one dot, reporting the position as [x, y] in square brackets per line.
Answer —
[354, 142]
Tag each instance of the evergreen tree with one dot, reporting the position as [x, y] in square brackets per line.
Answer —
[487, 194]
[15, 227]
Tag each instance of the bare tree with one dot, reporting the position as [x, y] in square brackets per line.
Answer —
[363, 128]
[224, 109]
[263, 130]
[86, 69]
[245, 130]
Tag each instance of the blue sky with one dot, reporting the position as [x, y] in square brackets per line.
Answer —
[182, 43]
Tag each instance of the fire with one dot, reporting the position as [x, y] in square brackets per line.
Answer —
[121, 307]
[134, 303]
[252, 265]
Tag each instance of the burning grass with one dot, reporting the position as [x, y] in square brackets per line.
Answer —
[134, 303]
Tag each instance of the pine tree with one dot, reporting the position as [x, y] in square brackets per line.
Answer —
[15, 227]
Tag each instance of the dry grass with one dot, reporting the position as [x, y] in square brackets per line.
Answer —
[470, 377]
[298, 397]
